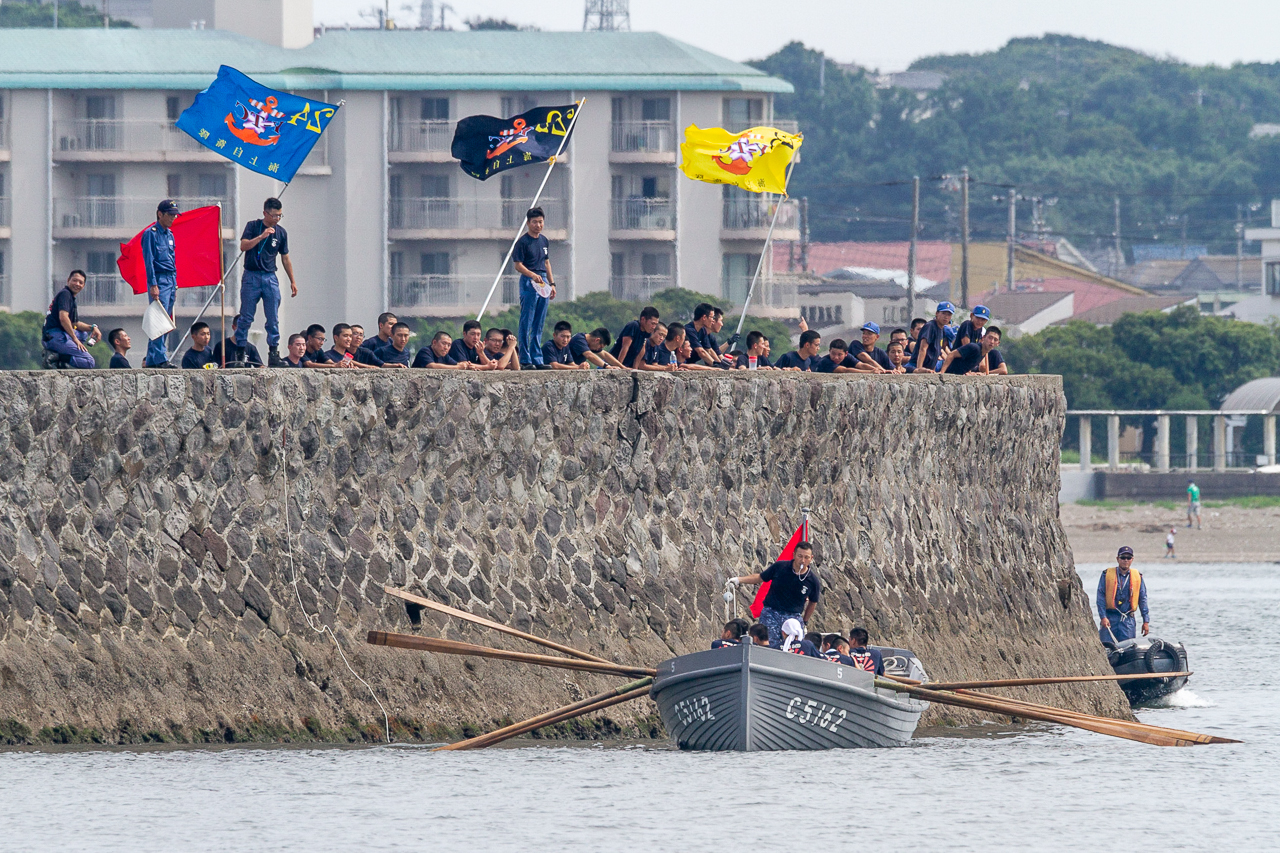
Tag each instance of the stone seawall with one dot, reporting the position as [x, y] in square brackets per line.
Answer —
[153, 584]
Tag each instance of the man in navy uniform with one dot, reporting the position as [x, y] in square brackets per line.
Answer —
[532, 261]
[862, 655]
[933, 341]
[162, 274]
[262, 242]
[794, 590]
[65, 337]
[1121, 593]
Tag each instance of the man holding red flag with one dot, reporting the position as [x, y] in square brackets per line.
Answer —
[793, 588]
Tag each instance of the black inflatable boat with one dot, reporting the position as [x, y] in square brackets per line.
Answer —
[1148, 655]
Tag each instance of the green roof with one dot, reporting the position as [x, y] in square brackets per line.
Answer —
[372, 60]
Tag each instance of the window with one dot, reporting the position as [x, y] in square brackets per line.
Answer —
[741, 113]
[97, 263]
[1271, 279]
[655, 264]
[649, 187]
[100, 106]
[435, 186]
[737, 271]
[434, 263]
[435, 109]
[655, 109]
[617, 186]
[100, 186]
[171, 108]
[618, 109]
[507, 189]
[396, 260]
[518, 104]
[213, 185]
[618, 264]
[173, 186]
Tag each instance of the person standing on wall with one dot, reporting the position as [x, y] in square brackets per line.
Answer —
[162, 275]
[537, 287]
[262, 242]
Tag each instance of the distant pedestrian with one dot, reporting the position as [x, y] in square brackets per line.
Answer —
[262, 242]
[158, 256]
[537, 286]
[1193, 503]
[1168, 544]
[65, 336]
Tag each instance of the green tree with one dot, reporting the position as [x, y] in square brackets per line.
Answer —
[33, 13]
[20, 340]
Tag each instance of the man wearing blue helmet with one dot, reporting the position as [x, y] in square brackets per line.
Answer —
[970, 330]
[931, 345]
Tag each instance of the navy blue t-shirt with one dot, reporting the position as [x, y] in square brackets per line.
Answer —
[931, 336]
[320, 357]
[994, 360]
[579, 347]
[659, 354]
[865, 657]
[836, 656]
[427, 357]
[388, 354]
[262, 257]
[552, 354]
[793, 359]
[877, 355]
[374, 344]
[804, 647]
[197, 359]
[638, 337]
[967, 330]
[65, 300]
[119, 362]
[460, 352]
[532, 252]
[826, 365]
[761, 361]
[251, 355]
[966, 360]
[336, 357]
[788, 593]
[367, 356]
[723, 643]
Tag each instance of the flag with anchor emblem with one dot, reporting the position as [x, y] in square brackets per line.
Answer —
[485, 145]
[755, 159]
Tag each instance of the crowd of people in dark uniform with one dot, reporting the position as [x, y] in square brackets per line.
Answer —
[853, 650]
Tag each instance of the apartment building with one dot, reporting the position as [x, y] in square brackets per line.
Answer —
[380, 217]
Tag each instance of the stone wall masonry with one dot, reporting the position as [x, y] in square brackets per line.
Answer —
[153, 584]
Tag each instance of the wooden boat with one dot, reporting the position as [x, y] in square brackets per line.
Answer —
[752, 698]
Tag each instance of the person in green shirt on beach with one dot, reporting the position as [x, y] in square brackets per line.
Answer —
[1193, 503]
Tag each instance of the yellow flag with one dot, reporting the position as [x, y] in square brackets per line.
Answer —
[755, 159]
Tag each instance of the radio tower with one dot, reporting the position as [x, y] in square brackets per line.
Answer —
[607, 15]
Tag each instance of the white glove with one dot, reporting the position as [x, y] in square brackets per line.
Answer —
[732, 583]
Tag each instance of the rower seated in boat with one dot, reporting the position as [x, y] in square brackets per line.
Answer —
[731, 635]
[758, 634]
[794, 640]
[794, 590]
[865, 657]
[836, 649]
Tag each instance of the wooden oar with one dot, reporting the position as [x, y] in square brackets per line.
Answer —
[497, 626]
[453, 647]
[585, 706]
[1032, 682]
[1186, 735]
[1102, 725]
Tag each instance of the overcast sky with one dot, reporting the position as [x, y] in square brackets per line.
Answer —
[889, 34]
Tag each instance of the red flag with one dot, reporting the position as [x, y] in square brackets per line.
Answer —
[801, 535]
[197, 243]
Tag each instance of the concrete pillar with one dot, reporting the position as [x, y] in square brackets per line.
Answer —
[1269, 438]
[1193, 441]
[1219, 443]
[1113, 442]
[1162, 443]
[1086, 443]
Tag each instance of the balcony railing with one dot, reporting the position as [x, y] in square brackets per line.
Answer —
[786, 125]
[120, 212]
[748, 214]
[4, 211]
[644, 136]
[109, 290]
[444, 292]
[637, 288]
[136, 135]
[421, 136]
[457, 214]
[643, 214]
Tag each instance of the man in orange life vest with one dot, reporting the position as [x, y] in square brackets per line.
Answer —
[1121, 593]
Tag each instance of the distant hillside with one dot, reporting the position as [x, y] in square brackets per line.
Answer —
[1060, 117]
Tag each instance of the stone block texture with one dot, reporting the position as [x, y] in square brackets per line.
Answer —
[172, 544]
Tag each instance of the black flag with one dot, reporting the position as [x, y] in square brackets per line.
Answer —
[485, 146]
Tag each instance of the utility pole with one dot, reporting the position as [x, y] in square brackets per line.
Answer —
[1013, 233]
[911, 248]
[55, 14]
[1119, 251]
[964, 237]
[804, 233]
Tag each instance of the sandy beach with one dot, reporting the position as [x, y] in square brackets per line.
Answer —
[1230, 534]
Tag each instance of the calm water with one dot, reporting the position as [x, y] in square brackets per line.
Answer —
[1033, 789]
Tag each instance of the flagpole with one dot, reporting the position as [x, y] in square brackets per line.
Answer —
[767, 241]
[520, 233]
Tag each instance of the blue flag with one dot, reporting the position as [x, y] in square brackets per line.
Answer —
[261, 129]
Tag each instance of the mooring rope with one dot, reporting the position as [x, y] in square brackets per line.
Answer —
[319, 628]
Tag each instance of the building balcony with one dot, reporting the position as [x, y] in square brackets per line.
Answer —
[643, 142]
[748, 218]
[420, 141]
[108, 293]
[117, 218]
[126, 141]
[638, 288]
[470, 218]
[785, 125]
[449, 294]
[642, 219]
